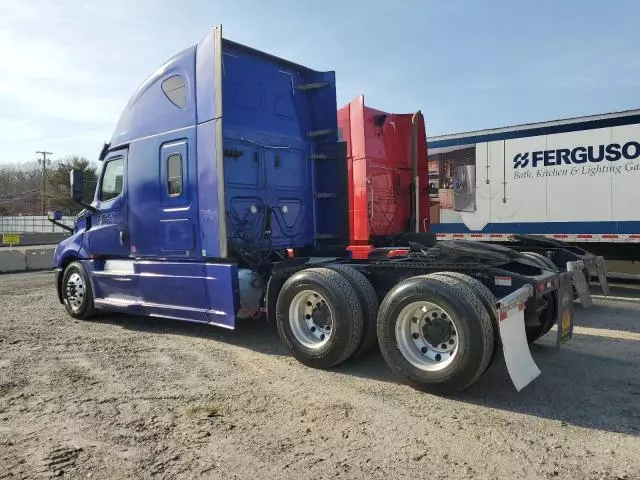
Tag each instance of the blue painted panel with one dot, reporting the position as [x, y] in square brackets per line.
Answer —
[205, 70]
[293, 161]
[179, 213]
[532, 132]
[177, 235]
[243, 163]
[109, 235]
[327, 174]
[68, 248]
[178, 287]
[120, 286]
[208, 190]
[259, 95]
[149, 111]
[267, 121]
[222, 289]
[544, 228]
[150, 204]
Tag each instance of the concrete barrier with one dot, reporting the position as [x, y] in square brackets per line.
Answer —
[22, 259]
[39, 258]
[12, 260]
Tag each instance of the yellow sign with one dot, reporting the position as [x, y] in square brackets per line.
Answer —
[11, 238]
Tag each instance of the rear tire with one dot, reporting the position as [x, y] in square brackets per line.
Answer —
[488, 300]
[319, 317]
[77, 295]
[369, 304]
[440, 299]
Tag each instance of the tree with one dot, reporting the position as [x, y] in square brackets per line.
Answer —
[58, 185]
[20, 189]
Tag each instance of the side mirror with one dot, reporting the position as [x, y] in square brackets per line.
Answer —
[76, 183]
[55, 215]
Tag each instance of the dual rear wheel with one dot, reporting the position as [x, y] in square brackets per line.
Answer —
[326, 315]
[436, 332]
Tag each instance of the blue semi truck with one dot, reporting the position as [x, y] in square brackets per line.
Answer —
[222, 196]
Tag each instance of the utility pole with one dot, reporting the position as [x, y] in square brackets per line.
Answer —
[44, 161]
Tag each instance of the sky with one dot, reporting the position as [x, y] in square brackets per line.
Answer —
[68, 67]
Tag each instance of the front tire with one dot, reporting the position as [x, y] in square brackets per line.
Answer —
[319, 317]
[77, 295]
[421, 319]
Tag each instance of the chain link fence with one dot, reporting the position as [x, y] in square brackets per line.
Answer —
[32, 224]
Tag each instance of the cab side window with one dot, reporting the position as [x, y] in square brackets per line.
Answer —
[174, 174]
[112, 180]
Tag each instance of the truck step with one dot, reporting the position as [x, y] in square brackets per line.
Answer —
[320, 133]
[326, 195]
[312, 86]
[321, 156]
[326, 236]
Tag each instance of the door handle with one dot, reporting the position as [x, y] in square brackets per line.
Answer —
[121, 237]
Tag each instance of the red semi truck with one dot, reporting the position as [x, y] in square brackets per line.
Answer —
[389, 194]
[386, 174]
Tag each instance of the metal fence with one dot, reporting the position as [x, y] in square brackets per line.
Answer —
[32, 224]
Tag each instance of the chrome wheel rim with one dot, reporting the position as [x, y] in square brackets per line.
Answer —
[75, 290]
[310, 319]
[426, 336]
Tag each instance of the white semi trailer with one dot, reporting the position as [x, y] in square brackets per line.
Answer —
[575, 180]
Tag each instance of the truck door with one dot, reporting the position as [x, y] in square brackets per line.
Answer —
[109, 235]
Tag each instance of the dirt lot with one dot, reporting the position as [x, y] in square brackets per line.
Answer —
[124, 397]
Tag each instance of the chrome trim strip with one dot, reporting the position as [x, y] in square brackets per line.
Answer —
[215, 324]
[129, 303]
[222, 219]
[102, 273]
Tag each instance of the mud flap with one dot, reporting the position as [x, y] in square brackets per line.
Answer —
[565, 311]
[580, 282]
[601, 267]
[597, 267]
[522, 369]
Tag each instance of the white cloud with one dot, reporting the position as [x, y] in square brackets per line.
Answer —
[65, 74]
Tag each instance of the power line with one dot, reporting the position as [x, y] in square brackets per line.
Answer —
[44, 161]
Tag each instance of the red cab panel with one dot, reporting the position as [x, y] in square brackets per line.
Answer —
[380, 149]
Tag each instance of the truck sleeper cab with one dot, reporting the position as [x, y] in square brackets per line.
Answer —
[223, 195]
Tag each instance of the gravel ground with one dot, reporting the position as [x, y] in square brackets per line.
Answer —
[127, 397]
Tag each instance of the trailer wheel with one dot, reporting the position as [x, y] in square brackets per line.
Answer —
[77, 295]
[319, 317]
[435, 334]
[369, 304]
[488, 300]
